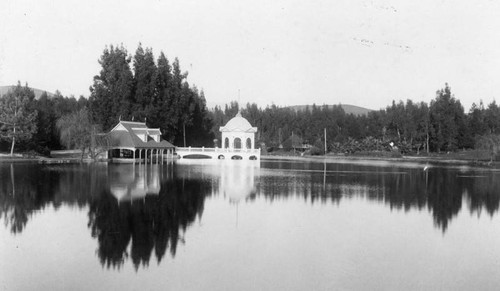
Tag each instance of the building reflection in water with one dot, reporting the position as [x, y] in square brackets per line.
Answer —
[130, 182]
[144, 213]
[238, 179]
[140, 212]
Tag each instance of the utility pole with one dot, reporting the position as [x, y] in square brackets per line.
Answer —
[325, 140]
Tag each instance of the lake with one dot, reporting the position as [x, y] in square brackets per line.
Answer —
[249, 225]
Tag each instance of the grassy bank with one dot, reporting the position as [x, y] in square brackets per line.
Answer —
[30, 157]
[473, 158]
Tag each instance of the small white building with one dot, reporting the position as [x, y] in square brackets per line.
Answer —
[238, 134]
[238, 143]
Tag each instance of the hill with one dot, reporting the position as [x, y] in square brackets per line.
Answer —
[349, 109]
[356, 110]
[38, 92]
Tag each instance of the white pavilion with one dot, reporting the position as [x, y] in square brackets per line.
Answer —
[238, 134]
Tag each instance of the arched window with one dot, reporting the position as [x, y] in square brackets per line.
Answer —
[226, 143]
[249, 143]
[237, 143]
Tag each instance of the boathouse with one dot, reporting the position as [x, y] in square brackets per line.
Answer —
[132, 141]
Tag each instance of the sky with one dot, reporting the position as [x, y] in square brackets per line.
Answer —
[364, 53]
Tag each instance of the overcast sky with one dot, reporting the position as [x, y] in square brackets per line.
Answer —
[364, 53]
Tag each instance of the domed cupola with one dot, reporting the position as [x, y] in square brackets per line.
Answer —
[238, 133]
[238, 124]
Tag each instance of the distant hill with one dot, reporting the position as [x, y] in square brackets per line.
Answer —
[38, 92]
[356, 110]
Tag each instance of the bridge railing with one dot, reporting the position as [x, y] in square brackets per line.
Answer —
[216, 150]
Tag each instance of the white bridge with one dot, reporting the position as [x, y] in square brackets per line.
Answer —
[218, 153]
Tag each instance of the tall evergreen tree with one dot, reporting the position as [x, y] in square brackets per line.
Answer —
[46, 136]
[447, 120]
[111, 92]
[162, 117]
[492, 118]
[145, 82]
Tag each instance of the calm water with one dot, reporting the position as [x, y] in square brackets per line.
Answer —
[236, 225]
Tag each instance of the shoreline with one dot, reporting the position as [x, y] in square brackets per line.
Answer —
[439, 160]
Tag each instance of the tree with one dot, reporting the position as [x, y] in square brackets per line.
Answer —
[161, 118]
[111, 94]
[490, 143]
[76, 130]
[46, 136]
[447, 120]
[476, 119]
[145, 94]
[17, 117]
[492, 118]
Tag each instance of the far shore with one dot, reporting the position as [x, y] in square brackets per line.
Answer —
[443, 159]
[431, 159]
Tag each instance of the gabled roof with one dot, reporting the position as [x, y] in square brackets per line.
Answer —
[124, 134]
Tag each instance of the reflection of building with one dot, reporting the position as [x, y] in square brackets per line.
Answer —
[129, 182]
[237, 180]
[134, 141]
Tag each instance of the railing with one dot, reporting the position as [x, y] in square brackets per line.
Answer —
[216, 150]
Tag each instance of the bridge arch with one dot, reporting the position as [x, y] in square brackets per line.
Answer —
[196, 156]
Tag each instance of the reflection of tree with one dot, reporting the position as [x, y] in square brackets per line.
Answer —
[153, 223]
[26, 189]
[134, 229]
[439, 190]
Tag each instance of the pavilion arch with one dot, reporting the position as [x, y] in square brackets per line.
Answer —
[237, 143]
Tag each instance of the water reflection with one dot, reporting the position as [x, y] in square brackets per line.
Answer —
[139, 212]
[442, 191]
[26, 189]
[130, 182]
[144, 212]
[237, 179]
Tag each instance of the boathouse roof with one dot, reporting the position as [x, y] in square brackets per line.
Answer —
[136, 135]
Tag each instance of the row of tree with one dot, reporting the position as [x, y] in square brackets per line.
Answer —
[29, 124]
[141, 88]
[439, 126]
[152, 91]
